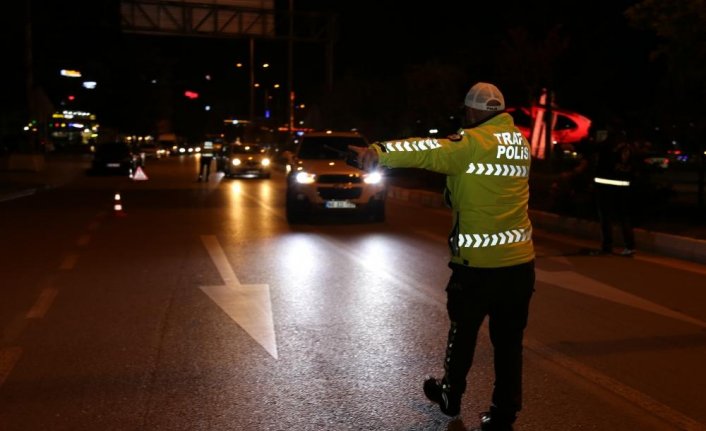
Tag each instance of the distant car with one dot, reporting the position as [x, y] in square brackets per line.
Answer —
[184, 149]
[150, 150]
[320, 180]
[243, 160]
[114, 158]
[569, 127]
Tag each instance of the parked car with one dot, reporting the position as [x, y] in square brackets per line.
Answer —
[115, 158]
[243, 160]
[150, 150]
[319, 179]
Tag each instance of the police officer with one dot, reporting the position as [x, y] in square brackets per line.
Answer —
[207, 153]
[616, 166]
[487, 167]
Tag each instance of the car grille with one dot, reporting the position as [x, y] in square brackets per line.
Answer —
[338, 179]
[333, 193]
[250, 163]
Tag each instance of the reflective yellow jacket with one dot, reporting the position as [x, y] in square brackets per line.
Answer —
[487, 171]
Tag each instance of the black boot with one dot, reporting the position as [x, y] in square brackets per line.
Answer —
[437, 391]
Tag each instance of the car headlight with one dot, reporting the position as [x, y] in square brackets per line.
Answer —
[305, 177]
[235, 162]
[372, 178]
[265, 162]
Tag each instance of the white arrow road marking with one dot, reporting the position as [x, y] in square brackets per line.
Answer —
[249, 305]
[588, 286]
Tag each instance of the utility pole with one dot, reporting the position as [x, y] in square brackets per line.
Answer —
[29, 70]
[548, 122]
[252, 80]
[290, 70]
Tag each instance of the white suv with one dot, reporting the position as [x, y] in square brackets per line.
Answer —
[320, 180]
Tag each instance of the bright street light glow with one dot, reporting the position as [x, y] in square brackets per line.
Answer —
[70, 73]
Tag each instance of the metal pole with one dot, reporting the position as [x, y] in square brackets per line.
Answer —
[548, 121]
[329, 57]
[252, 79]
[290, 68]
[29, 85]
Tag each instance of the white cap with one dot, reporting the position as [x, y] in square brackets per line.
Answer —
[485, 97]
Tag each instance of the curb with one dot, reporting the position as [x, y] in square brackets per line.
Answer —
[691, 249]
[15, 194]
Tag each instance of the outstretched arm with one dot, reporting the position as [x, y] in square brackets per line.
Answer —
[367, 157]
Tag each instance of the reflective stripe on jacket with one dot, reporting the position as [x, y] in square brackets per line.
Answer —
[487, 170]
[616, 163]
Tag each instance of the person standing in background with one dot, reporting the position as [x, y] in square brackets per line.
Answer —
[207, 153]
[614, 180]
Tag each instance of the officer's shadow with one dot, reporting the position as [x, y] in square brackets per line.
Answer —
[456, 425]
[434, 425]
[436, 421]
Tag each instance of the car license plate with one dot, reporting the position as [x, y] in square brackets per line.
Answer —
[113, 165]
[340, 204]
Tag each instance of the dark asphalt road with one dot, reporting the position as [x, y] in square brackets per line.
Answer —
[200, 308]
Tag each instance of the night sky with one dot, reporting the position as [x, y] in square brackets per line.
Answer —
[604, 63]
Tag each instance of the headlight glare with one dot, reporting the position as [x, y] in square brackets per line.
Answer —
[373, 178]
[305, 177]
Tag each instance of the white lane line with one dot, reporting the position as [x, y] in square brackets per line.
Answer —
[69, 261]
[8, 358]
[44, 301]
[580, 283]
[591, 287]
[672, 263]
[632, 395]
[249, 305]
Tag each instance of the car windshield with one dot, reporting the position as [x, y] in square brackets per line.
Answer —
[328, 147]
[246, 149]
[112, 150]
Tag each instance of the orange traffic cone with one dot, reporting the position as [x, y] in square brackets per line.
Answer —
[118, 206]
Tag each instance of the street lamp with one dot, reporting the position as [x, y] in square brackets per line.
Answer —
[267, 97]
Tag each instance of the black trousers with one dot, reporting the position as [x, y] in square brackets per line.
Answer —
[615, 205]
[502, 294]
[205, 166]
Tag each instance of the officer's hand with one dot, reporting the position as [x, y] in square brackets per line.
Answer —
[367, 157]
